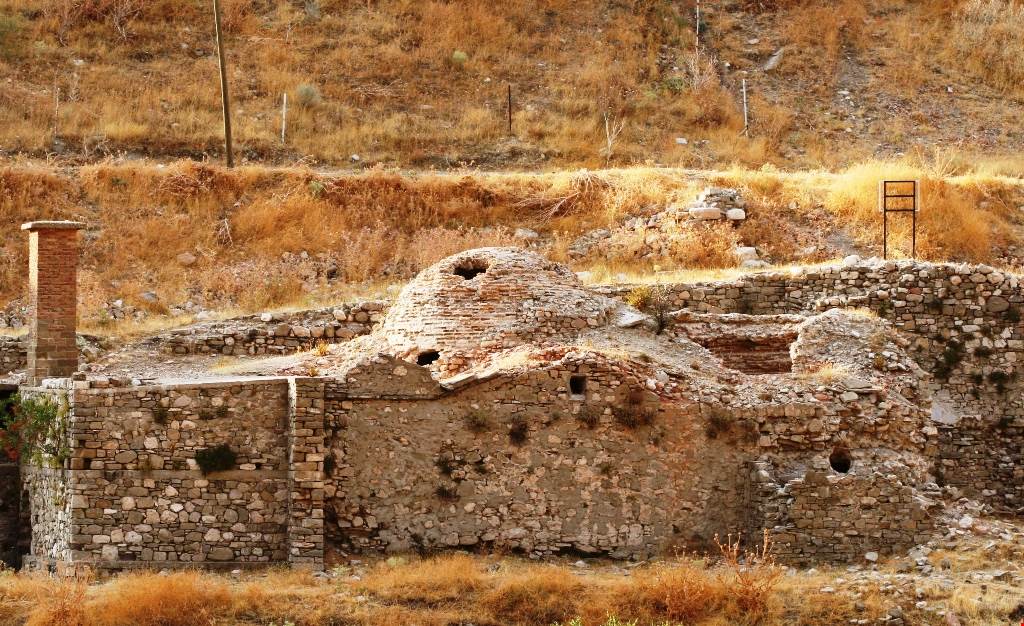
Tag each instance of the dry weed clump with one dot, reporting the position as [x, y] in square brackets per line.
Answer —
[539, 595]
[441, 579]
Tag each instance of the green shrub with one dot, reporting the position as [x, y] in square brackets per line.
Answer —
[459, 58]
[34, 429]
[216, 459]
[307, 96]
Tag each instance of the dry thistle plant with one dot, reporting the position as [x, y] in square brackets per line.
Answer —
[753, 575]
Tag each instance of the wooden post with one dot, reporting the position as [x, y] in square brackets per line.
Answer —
[284, 116]
[510, 109]
[746, 115]
[225, 97]
[698, 28]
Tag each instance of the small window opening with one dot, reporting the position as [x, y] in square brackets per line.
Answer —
[470, 269]
[427, 357]
[840, 460]
[578, 386]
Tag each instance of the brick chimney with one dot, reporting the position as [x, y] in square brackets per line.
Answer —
[53, 286]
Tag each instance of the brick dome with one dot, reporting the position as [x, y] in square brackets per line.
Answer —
[493, 298]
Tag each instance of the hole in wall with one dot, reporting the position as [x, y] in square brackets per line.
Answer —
[427, 357]
[840, 460]
[470, 269]
[578, 387]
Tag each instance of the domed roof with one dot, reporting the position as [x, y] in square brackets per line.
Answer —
[490, 299]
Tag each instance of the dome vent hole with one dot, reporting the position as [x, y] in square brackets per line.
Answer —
[427, 357]
[470, 269]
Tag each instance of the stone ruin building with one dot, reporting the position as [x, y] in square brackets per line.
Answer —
[500, 403]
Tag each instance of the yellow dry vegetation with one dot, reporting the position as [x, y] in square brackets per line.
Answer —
[280, 227]
[459, 588]
[596, 83]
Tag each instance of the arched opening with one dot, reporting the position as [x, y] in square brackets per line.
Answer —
[840, 460]
[427, 357]
[470, 269]
[578, 387]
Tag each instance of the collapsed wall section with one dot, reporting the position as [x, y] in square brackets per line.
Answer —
[964, 326]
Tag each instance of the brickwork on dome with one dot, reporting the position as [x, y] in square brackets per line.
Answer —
[515, 298]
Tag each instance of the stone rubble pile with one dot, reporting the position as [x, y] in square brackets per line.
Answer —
[718, 203]
[657, 236]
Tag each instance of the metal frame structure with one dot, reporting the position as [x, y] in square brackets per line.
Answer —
[884, 198]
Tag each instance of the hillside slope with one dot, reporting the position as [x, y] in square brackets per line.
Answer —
[186, 238]
[595, 82]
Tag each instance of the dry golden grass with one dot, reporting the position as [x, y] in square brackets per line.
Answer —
[248, 226]
[385, 81]
[492, 590]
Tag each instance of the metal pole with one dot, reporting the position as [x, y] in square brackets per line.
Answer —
[913, 235]
[225, 97]
[510, 109]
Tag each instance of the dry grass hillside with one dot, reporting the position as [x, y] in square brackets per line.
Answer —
[162, 236]
[422, 83]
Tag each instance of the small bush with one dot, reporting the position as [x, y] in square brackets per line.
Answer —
[543, 595]
[518, 429]
[1000, 379]
[34, 429]
[307, 96]
[655, 300]
[634, 412]
[445, 465]
[477, 421]
[219, 458]
[459, 59]
[589, 416]
[719, 422]
[446, 492]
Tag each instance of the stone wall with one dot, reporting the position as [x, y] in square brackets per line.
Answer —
[984, 459]
[522, 463]
[13, 354]
[50, 516]
[840, 517]
[754, 344]
[272, 333]
[132, 493]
